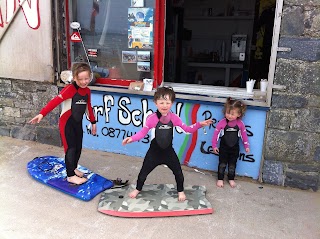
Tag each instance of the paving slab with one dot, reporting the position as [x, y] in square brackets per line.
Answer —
[32, 210]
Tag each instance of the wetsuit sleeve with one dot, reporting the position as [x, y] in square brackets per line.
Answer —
[66, 93]
[243, 133]
[151, 122]
[89, 109]
[215, 138]
[176, 120]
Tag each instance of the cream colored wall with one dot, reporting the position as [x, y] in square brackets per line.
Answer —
[26, 41]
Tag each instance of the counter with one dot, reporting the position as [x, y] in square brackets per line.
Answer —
[199, 93]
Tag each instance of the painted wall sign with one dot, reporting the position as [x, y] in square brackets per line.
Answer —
[33, 22]
[30, 9]
[122, 116]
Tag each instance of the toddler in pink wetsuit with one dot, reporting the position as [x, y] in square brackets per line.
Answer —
[230, 129]
[161, 150]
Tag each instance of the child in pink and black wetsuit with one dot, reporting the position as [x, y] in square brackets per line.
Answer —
[230, 129]
[161, 150]
[76, 99]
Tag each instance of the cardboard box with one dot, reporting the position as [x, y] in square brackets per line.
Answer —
[138, 85]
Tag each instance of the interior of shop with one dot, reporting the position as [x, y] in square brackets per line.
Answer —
[218, 43]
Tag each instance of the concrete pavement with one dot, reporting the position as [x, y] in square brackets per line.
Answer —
[31, 210]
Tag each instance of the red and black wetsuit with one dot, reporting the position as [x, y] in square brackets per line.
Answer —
[76, 101]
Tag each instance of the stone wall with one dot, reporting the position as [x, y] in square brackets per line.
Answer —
[292, 144]
[20, 101]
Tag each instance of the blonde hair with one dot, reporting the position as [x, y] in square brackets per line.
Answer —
[80, 67]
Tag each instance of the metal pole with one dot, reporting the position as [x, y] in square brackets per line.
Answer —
[84, 48]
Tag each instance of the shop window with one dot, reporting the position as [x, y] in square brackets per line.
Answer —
[218, 43]
[117, 38]
[199, 47]
[213, 48]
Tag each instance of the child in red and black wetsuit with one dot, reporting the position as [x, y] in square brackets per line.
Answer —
[76, 99]
[161, 150]
[230, 129]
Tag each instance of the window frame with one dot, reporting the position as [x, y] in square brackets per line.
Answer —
[214, 93]
[159, 11]
[189, 91]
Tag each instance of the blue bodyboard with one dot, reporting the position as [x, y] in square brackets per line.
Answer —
[51, 171]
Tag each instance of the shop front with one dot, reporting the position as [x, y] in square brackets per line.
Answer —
[205, 51]
[122, 114]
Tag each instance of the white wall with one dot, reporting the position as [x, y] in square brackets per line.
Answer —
[26, 47]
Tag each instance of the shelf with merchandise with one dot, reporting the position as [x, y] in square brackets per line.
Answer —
[219, 18]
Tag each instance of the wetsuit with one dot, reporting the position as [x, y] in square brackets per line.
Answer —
[76, 101]
[230, 132]
[161, 150]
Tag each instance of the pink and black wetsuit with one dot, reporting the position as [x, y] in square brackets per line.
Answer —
[230, 131]
[75, 101]
[161, 150]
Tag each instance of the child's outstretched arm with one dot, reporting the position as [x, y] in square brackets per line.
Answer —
[127, 140]
[206, 122]
[176, 120]
[45, 110]
[36, 119]
[53, 103]
[151, 122]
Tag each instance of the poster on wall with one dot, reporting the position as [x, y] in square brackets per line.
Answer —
[143, 55]
[140, 28]
[92, 52]
[129, 56]
[143, 66]
[137, 3]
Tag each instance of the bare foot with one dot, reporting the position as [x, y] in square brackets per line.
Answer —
[220, 183]
[232, 183]
[181, 196]
[134, 193]
[76, 180]
[78, 173]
